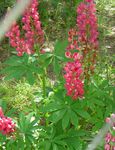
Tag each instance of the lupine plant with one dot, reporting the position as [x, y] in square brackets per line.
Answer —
[71, 109]
[33, 33]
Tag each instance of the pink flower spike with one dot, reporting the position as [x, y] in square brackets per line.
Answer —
[7, 126]
[33, 33]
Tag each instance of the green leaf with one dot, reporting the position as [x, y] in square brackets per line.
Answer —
[74, 119]
[55, 147]
[98, 102]
[36, 69]
[53, 106]
[60, 137]
[47, 62]
[76, 133]
[65, 120]
[14, 75]
[14, 60]
[8, 70]
[45, 56]
[28, 118]
[47, 145]
[112, 132]
[30, 77]
[83, 113]
[18, 67]
[60, 142]
[21, 123]
[74, 143]
[59, 58]
[56, 116]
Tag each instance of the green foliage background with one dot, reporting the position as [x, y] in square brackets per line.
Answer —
[56, 122]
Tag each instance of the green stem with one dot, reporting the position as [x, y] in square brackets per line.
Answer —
[44, 84]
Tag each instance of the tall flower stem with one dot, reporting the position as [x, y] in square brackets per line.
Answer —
[44, 83]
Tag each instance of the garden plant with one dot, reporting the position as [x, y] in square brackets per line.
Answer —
[56, 97]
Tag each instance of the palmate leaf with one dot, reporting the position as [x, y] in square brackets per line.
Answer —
[52, 107]
[62, 109]
[25, 124]
[53, 137]
[58, 115]
[46, 59]
[18, 67]
[51, 58]
[61, 112]
[73, 139]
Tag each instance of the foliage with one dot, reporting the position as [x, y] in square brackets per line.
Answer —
[4, 4]
[24, 137]
[46, 118]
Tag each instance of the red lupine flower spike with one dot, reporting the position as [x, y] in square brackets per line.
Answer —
[7, 126]
[32, 29]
